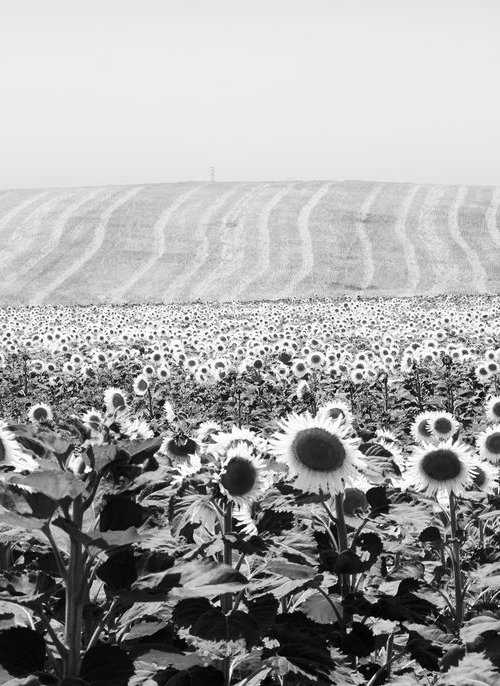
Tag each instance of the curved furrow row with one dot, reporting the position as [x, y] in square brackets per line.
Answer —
[364, 238]
[353, 267]
[255, 272]
[434, 245]
[245, 245]
[92, 249]
[197, 261]
[14, 214]
[389, 267]
[46, 244]
[306, 247]
[492, 217]
[158, 231]
[233, 228]
[218, 234]
[327, 238]
[26, 231]
[410, 256]
[478, 273]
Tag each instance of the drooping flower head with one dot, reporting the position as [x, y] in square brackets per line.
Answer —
[11, 453]
[445, 466]
[115, 400]
[493, 409]
[318, 451]
[179, 447]
[243, 475]
[484, 477]
[141, 384]
[488, 443]
[335, 409]
[420, 429]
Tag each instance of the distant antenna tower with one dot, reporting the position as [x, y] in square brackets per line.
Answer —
[212, 174]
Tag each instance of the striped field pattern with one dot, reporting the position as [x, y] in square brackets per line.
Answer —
[246, 241]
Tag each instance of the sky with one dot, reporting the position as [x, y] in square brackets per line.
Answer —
[100, 92]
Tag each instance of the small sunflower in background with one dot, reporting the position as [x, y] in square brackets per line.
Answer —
[40, 413]
[335, 409]
[141, 384]
[318, 451]
[488, 444]
[93, 420]
[114, 400]
[446, 466]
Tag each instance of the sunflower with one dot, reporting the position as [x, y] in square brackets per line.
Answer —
[179, 447]
[482, 373]
[40, 413]
[318, 452]
[335, 409]
[443, 425]
[488, 443]
[11, 453]
[242, 477]
[445, 466]
[141, 384]
[114, 399]
[420, 428]
[493, 409]
[206, 430]
[299, 369]
[225, 440]
[93, 420]
[484, 477]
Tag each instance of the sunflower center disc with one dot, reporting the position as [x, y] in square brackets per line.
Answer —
[493, 443]
[336, 412]
[496, 409]
[239, 477]
[117, 401]
[319, 450]
[442, 425]
[188, 448]
[40, 414]
[441, 465]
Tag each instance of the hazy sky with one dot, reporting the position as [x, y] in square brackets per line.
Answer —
[134, 91]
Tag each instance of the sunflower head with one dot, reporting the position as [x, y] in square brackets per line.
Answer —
[318, 451]
[242, 477]
[493, 409]
[442, 425]
[40, 413]
[488, 443]
[445, 466]
[420, 429]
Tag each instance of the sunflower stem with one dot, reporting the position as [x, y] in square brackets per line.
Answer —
[345, 582]
[226, 598]
[455, 558]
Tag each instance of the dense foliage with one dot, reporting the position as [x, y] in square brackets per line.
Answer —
[273, 493]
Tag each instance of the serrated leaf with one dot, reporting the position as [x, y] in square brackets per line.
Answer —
[22, 651]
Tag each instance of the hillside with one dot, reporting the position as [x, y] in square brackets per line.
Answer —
[225, 241]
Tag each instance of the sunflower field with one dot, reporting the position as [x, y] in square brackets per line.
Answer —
[271, 493]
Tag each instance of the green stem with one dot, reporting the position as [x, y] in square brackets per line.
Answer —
[226, 600]
[345, 584]
[74, 602]
[455, 557]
